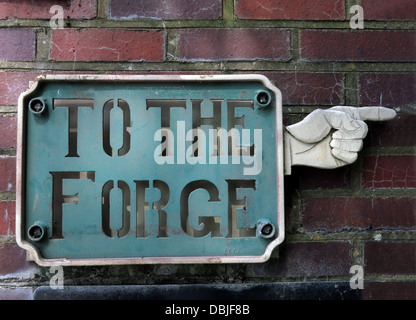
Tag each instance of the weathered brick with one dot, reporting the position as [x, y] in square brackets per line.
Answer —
[389, 10]
[12, 259]
[17, 44]
[289, 9]
[390, 257]
[392, 90]
[107, 45]
[335, 214]
[7, 218]
[29, 9]
[12, 84]
[234, 44]
[307, 88]
[306, 259]
[7, 174]
[365, 45]
[389, 172]
[166, 9]
[8, 131]
[389, 290]
[396, 132]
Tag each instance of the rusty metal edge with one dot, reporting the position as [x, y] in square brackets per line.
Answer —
[20, 175]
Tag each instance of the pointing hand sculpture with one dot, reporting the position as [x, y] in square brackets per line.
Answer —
[330, 138]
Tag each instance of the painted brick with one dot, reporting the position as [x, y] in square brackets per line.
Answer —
[167, 9]
[7, 174]
[7, 218]
[396, 132]
[12, 84]
[29, 9]
[366, 45]
[17, 44]
[389, 10]
[289, 9]
[234, 44]
[8, 131]
[107, 45]
[306, 259]
[389, 290]
[389, 172]
[306, 88]
[365, 213]
[12, 259]
[392, 90]
[390, 257]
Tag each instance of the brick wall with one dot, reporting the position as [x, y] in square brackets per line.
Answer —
[363, 214]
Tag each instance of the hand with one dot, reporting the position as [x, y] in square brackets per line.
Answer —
[330, 138]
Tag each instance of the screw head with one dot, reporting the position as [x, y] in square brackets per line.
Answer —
[263, 98]
[36, 232]
[266, 229]
[37, 106]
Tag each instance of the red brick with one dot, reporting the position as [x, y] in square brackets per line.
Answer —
[304, 88]
[336, 214]
[390, 90]
[8, 131]
[7, 218]
[389, 172]
[12, 84]
[29, 9]
[313, 178]
[107, 45]
[390, 257]
[7, 174]
[234, 44]
[389, 290]
[389, 10]
[12, 259]
[17, 44]
[307, 259]
[167, 9]
[396, 132]
[355, 45]
[289, 9]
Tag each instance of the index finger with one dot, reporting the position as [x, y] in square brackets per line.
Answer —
[375, 113]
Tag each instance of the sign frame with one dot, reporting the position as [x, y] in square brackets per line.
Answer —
[34, 254]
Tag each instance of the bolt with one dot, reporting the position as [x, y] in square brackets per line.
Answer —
[265, 229]
[263, 99]
[37, 106]
[36, 232]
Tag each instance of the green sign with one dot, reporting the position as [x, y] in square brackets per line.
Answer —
[150, 169]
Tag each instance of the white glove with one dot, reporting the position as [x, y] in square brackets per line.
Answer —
[330, 138]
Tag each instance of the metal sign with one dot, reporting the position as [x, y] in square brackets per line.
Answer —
[150, 169]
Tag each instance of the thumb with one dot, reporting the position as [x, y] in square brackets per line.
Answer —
[312, 129]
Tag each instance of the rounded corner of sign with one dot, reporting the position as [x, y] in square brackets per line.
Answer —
[272, 246]
[267, 83]
[31, 251]
[32, 87]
